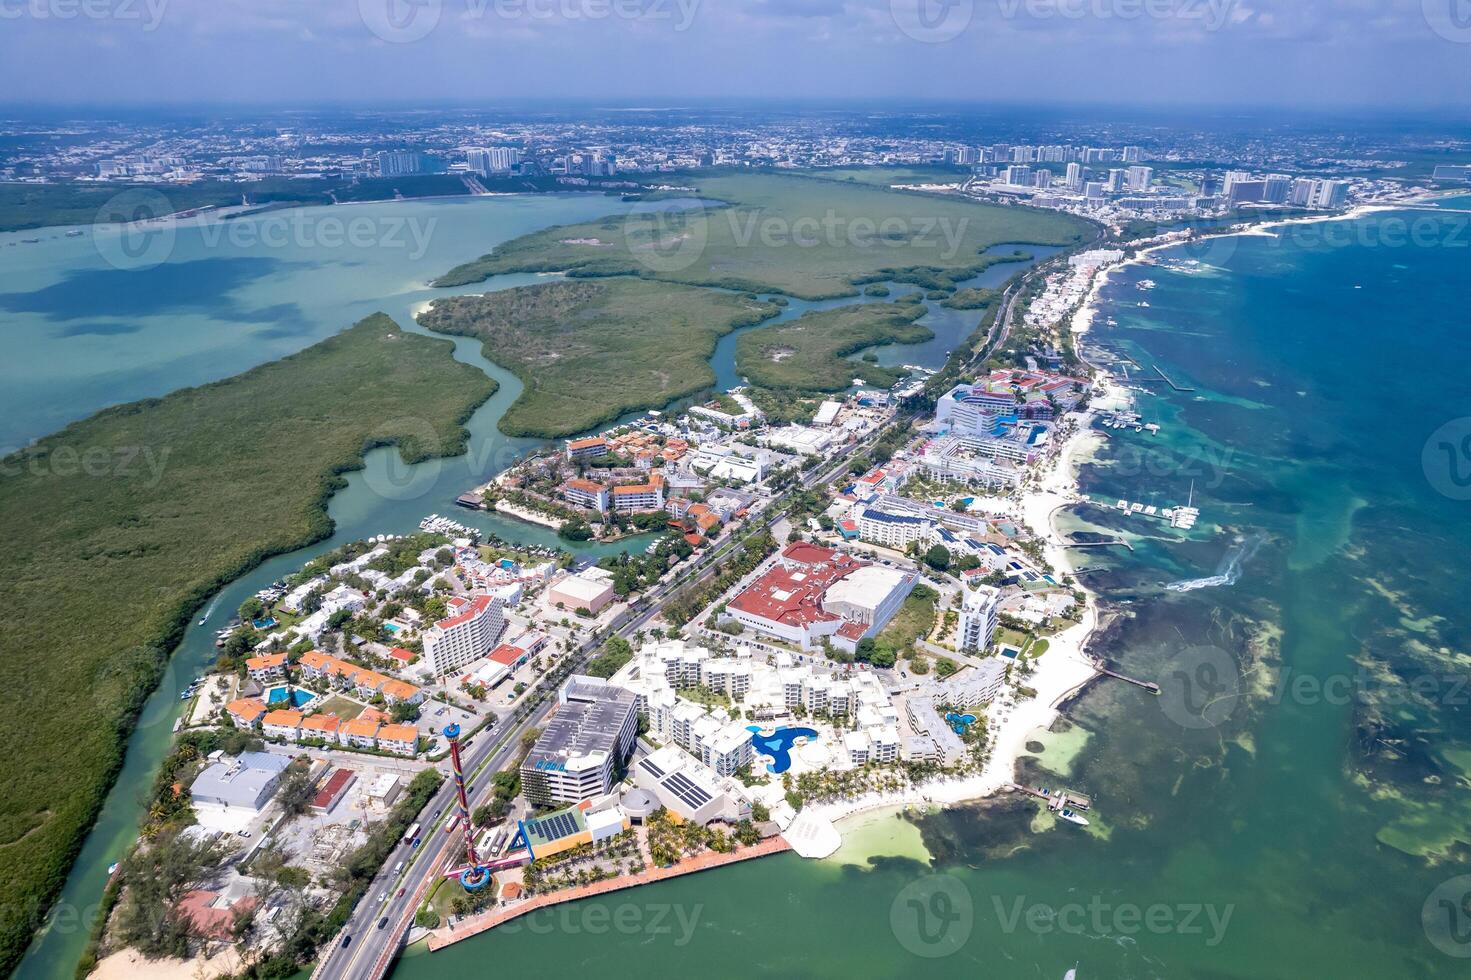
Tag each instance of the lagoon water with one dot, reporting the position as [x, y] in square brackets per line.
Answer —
[90, 322]
[1296, 802]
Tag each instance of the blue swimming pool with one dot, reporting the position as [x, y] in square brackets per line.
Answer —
[778, 745]
[277, 695]
[391, 627]
[959, 722]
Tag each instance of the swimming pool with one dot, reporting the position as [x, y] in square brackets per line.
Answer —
[778, 745]
[297, 697]
[391, 627]
[959, 722]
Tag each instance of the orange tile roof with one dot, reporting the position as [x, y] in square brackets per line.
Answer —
[400, 690]
[587, 443]
[586, 486]
[265, 661]
[248, 708]
[361, 727]
[322, 723]
[398, 733]
[374, 715]
[286, 719]
[371, 679]
[315, 659]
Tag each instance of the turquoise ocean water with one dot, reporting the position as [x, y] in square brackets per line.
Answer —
[1296, 802]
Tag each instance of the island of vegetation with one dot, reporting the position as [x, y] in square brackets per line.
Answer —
[120, 526]
[801, 236]
[810, 353]
[589, 351]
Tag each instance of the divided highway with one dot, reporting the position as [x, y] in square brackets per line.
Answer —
[367, 945]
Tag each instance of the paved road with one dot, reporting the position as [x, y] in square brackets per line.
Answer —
[368, 943]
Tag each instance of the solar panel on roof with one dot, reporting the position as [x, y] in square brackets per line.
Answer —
[655, 770]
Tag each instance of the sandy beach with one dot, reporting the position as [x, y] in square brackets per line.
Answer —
[130, 965]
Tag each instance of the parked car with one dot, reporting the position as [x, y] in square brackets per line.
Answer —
[383, 922]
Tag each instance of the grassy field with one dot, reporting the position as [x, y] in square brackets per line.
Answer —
[915, 619]
[589, 351]
[810, 353]
[885, 176]
[802, 236]
[120, 526]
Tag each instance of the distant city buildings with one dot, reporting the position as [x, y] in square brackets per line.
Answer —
[495, 160]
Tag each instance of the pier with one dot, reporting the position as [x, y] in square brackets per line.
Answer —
[1099, 544]
[1056, 799]
[1149, 686]
[1167, 380]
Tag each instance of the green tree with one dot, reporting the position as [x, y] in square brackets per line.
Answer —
[938, 557]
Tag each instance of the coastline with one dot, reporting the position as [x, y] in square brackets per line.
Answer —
[1060, 673]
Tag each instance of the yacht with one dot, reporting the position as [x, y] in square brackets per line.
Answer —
[1072, 816]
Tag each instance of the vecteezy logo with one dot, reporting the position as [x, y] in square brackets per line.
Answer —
[668, 238]
[932, 917]
[400, 21]
[134, 231]
[1446, 459]
[932, 21]
[386, 474]
[1446, 917]
[1451, 19]
[1200, 687]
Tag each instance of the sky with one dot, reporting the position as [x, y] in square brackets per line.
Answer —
[1289, 53]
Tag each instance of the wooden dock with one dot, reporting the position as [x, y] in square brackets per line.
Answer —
[1149, 686]
[1056, 799]
[1099, 544]
[1167, 380]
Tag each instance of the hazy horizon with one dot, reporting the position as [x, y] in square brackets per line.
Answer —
[1305, 54]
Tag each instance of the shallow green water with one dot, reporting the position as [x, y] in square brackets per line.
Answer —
[1276, 812]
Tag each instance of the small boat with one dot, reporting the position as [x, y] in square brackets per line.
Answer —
[203, 621]
[178, 723]
[112, 869]
[1071, 974]
[1073, 817]
[74, 234]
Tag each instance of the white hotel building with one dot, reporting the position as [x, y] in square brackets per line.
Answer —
[979, 613]
[466, 636]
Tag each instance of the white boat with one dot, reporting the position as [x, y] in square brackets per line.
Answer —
[1072, 816]
[1071, 974]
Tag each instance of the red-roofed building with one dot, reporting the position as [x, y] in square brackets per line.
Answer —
[595, 446]
[510, 656]
[399, 653]
[332, 791]
[246, 713]
[640, 496]
[266, 667]
[212, 914]
[466, 636]
[812, 592]
[588, 494]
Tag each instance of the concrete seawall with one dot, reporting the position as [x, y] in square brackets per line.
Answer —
[486, 921]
